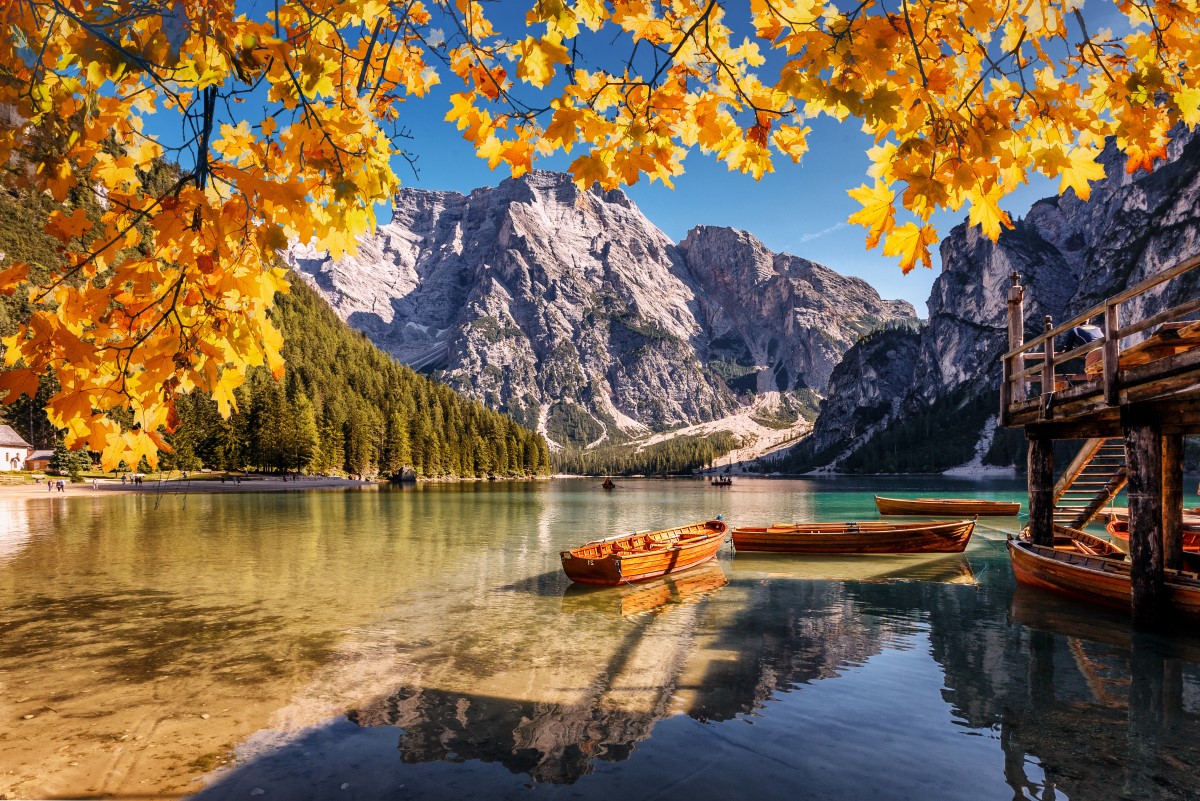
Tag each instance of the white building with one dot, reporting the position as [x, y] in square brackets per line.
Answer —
[13, 450]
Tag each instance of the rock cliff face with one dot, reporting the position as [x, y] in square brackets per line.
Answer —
[572, 312]
[1070, 255]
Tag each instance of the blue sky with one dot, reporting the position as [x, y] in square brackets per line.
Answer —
[799, 209]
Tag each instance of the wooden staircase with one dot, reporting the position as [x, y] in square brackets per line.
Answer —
[1093, 479]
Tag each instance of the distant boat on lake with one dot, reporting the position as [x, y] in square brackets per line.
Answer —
[945, 506]
[643, 554]
[867, 538]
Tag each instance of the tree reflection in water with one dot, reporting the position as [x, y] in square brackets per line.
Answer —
[1076, 706]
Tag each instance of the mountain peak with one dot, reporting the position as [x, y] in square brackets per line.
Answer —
[571, 311]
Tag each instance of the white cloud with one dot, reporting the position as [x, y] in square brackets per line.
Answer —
[818, 234]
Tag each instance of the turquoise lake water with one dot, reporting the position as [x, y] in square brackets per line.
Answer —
[423, 643]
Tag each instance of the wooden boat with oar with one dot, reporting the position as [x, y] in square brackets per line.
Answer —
[1191, 535]
[1090, 569]
[870, 537]
[643, 554]
[950, 507]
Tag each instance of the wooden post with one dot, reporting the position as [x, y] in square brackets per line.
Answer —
[1111, 356]
[1048, 364]
[1143, 455]
[1016, 338]
[1041, 490]
[1172, 500]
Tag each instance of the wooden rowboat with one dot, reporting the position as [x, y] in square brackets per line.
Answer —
[643, 554]
[945, 506]
[1071, 568]
[1191, 535]
[871, 537]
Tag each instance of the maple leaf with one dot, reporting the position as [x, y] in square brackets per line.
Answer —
[985, 211]
[878, 212]
[537, 57]
[1082, 170]
[13, 276]
[910, 242]
[17, 383]
[1188, 103]
[65, 227]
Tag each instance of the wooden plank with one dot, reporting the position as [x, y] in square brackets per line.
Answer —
[1041, 491]
[1170, 314]
[1113, 302]
[1112, 360]
[1048, 361]
[1075, 469]
[1172, 500]
[1100, 500]
[1143, 448]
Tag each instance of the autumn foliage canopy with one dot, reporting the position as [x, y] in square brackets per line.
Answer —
[283, 121]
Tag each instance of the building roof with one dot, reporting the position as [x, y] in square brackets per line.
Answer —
[12, 438]
[47, 455]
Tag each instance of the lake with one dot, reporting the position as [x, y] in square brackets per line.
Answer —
[424, 643]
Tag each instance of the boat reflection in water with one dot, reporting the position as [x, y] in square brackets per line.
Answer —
[566, 689]
[937, 568]
[658, 595]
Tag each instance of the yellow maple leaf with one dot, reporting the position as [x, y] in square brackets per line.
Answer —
[592, 12]
[536, 58]
[1082, 170]
[878, 212]
[911, 242]
[1188, 103]
[985, 211]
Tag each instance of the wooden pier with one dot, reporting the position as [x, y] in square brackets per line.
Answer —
[1139, 382]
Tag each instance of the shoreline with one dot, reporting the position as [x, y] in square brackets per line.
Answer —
[113, 486]
[207, 485]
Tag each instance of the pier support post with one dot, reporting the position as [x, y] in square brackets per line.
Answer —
[1041, 490]
[1172, 500]
[1143, 454]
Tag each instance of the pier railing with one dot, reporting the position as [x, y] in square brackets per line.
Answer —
[1033, 389]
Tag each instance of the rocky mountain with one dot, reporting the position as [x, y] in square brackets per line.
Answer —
[569, 310]
[928, 401]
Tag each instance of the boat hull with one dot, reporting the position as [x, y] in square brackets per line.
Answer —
[864, 538]
[1191, 536]
[643, 555]
[1094, 579]
[944, 506]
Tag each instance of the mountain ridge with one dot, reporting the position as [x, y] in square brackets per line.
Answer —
[1070, 255]
[570, 310]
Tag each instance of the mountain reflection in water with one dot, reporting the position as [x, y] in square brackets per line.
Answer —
[426, 644]
[1074, 718]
